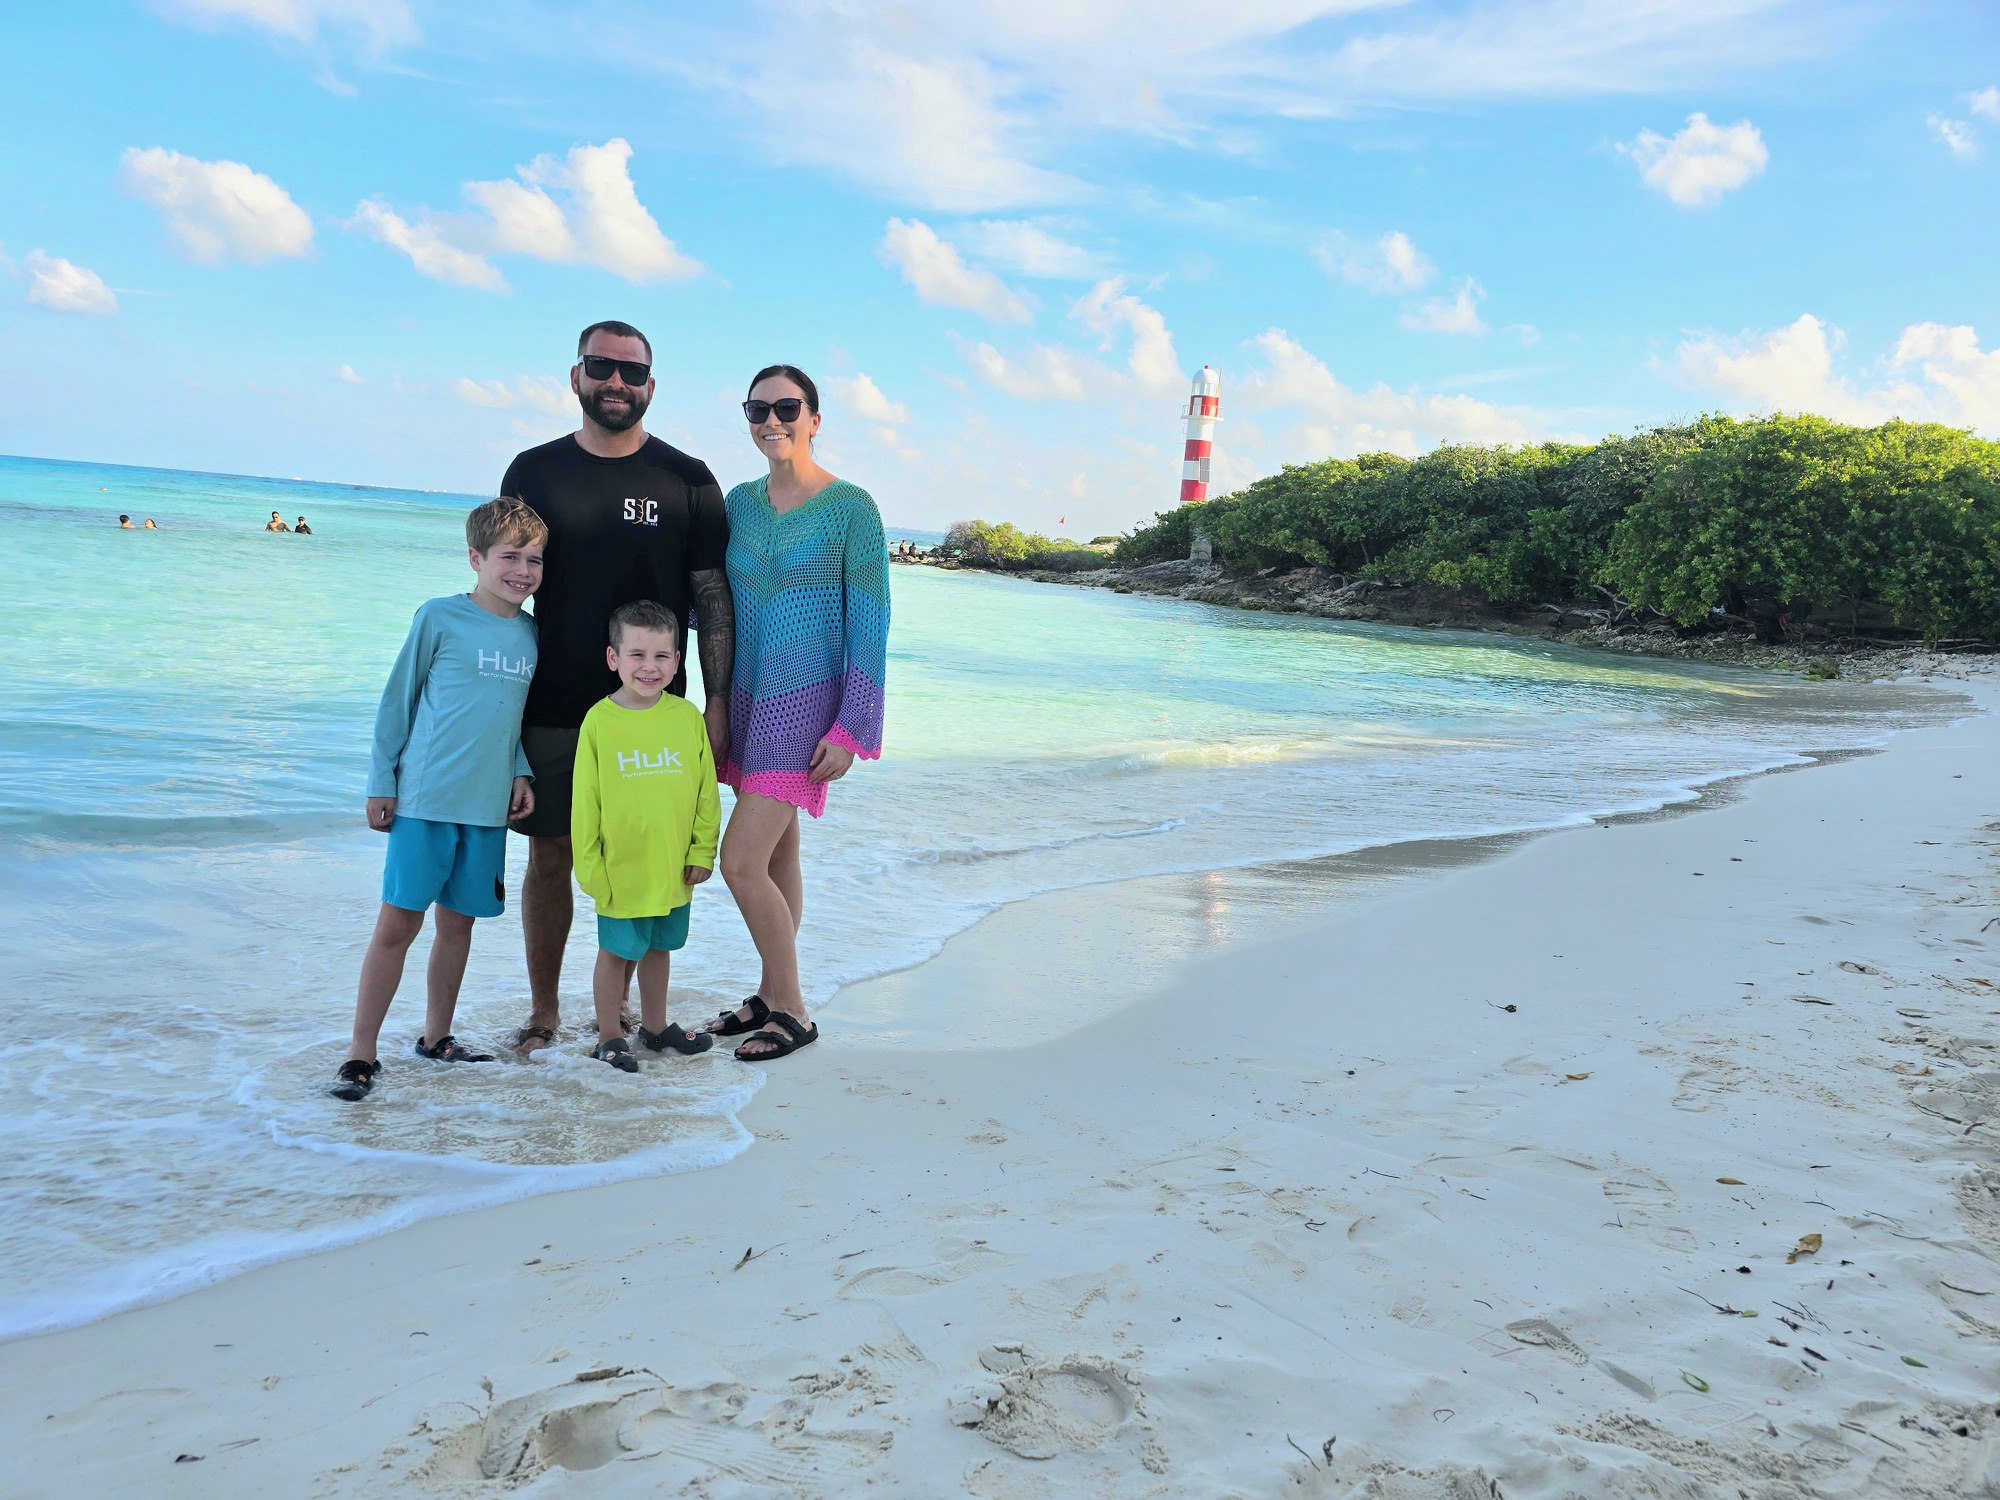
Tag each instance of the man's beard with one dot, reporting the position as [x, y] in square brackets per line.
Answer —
[614, 421]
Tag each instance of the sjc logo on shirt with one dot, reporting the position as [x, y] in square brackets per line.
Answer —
[639, 763]
[642, 512]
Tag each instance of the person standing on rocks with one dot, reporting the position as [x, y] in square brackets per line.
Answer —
[629, 518]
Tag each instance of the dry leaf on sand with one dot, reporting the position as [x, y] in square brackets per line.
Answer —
[1808, 1245]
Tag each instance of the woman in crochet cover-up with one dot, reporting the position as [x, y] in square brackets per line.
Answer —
[809, 572]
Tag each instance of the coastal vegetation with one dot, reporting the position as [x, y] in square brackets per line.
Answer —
[1779, 524]
[1004, 546]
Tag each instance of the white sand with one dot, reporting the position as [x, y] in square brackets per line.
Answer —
[1317, 1188]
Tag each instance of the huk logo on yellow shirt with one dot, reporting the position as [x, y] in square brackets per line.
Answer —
[639, 763]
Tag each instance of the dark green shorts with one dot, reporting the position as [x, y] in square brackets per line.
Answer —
[552, 757]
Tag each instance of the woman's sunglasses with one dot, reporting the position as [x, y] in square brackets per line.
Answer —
[787, 410]
[634, 374]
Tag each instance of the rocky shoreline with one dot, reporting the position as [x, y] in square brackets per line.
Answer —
[1600, 624]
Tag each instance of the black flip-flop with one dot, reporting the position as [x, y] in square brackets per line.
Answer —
[448, 1048]
[357, 1077]
[617, 1052]
[728, 1023]
[784, 1036]
[675, 1039]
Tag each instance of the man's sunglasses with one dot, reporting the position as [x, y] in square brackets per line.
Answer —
[598, 367]
[787, 410]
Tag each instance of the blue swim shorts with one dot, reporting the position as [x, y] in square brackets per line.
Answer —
[458, 866]
[632, 937]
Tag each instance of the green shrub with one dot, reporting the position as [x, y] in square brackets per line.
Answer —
[983, 544]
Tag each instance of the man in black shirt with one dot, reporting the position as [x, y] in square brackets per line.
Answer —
[629, 518]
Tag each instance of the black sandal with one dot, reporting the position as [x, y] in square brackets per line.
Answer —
[784, 1036]
[728, 1023]
[673, 1037]
[450, 1049]
[357, 1077]
[617, 1052]
[546, 1034]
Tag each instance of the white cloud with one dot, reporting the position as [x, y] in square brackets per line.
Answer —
[1047, 372]
[1108, 307]
[346, 376]
[1958, 135]
[380, 23]
[426, 244]
[543, 393]
[63, 286]
[1986, 102]
[601, 221]
[941, 276]
[1029, 250]
[580, 210]
[1966, 378]
[1341, 421]
[218, 209]
[1459, 315]
[1392, 264]
[864, 398]
[1934, 373]
[1700, 163]
[1053, 372]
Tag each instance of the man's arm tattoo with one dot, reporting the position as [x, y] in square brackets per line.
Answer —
[715, 620]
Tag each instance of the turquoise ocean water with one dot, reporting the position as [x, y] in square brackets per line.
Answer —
[188, 886]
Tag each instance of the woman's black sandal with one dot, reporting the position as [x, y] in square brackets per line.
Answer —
[617, 1052]
[728, 1023]
[676, 1039]
[546, 1034]
[357, 1077]
[784, 1036]
[448, 1048]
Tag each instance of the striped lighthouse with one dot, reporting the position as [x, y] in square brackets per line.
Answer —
[1204, 411]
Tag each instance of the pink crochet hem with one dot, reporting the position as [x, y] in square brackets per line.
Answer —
[839, 735]
[794, 787]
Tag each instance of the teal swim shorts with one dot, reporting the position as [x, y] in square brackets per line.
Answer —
[633, 937]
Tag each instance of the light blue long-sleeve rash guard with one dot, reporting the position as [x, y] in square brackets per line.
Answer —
[448, 733]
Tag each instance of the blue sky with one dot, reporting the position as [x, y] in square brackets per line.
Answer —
[354, 239]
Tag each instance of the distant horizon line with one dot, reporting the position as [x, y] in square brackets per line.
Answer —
[345, 484]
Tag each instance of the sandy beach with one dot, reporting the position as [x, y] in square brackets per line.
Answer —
[1648, 1158]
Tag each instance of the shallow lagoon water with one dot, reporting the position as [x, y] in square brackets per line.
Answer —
[188, 885]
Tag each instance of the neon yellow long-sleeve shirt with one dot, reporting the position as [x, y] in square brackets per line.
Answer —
[645, 805]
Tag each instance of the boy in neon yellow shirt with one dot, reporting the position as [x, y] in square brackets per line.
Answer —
[643, 824]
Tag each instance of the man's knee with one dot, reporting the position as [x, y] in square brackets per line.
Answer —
[549, 859]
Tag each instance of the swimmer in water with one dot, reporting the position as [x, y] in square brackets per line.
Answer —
[301, 529]
[276, 523]
[149, 526]
[125, 524]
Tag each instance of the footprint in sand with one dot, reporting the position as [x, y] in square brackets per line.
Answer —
[1041, 1411]
[904, 1281]
[1644, 1204]
[1542, 1334]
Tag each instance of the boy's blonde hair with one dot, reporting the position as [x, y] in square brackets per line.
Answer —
[507, 519]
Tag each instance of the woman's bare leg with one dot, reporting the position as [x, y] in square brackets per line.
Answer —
[750, 845]
[786, 874]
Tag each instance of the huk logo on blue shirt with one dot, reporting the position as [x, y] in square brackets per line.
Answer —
[639, 763]
[495, 664]
[642, 512]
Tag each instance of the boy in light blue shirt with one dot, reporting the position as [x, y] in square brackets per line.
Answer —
[446, 776]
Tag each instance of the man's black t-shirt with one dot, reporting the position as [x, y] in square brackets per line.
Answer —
[619, 529]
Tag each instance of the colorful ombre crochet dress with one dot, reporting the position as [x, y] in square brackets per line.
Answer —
[812, 636]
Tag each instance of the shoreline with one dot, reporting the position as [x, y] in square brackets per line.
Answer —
[1314, 592]
[1141, 1259]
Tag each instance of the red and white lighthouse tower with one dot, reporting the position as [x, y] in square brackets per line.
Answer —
[1204, 411]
